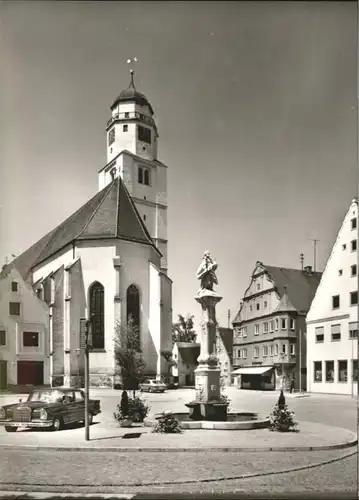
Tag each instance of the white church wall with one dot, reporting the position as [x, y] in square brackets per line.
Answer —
[155, 316]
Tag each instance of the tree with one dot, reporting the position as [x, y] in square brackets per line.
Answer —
[183, 330]
[128, 354]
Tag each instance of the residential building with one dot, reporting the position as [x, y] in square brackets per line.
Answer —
[24, 334]
[269, 349]
[108, 260]
[332, 321]
[185, 355]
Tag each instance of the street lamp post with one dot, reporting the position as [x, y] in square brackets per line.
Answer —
[86, 330]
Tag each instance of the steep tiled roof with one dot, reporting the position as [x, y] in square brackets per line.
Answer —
[285, 304]
[300, 285]
[227, 338]
[111, 213]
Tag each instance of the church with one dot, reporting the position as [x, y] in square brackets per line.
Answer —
[107, 261]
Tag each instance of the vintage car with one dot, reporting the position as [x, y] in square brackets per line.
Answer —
[151, 385]
[48, 408]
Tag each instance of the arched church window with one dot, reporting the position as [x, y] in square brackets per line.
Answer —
[133, 314]
[97, 313]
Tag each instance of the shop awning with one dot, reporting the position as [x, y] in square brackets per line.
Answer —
[253, 370]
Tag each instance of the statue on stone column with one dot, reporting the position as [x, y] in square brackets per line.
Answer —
[206, 273]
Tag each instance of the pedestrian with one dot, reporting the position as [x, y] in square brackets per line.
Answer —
[292, 385]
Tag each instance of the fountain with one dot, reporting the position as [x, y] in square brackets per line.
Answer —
[209, 410]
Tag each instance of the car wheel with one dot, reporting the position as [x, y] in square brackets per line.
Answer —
[10, 429]
[57, 424]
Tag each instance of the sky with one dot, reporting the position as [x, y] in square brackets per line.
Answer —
[256, 107]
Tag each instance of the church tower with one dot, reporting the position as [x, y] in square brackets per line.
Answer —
[132, 137]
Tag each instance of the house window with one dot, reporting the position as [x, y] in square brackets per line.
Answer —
[144, 217]
[127, 114]
[319, 334]
[111, 136]
[125, 128]
[244, 353]
[355, 370]
[318, 374]
[250, 308]
[144, 134]
[265, 351]
[265, 304]
[14, 286]
[353, 330]
[353, 245]
[335, 331]
[244, 331]
[2, 337]
[271, 326]
[354, 270]
[265, 327]
[340, 272]
[97, 313]
[256, 329]
[292, 324]
[292, 349]
[143, 176]
[329, 371]
[258, 286]
[14, 308]
[276, 350]
[353, 223]
[284, 324]
[343, 371]
[344, 247]
[257, 306]
[335, 301]
[353, 298]
[284, 348]
[256, 352]
[239, 353]
[30, 339]
[271, 350]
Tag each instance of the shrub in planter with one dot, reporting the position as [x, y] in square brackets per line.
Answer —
[138, 409]
[282, 419]
[123, 413]
[167, 424]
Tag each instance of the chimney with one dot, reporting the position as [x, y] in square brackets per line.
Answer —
[308, 269]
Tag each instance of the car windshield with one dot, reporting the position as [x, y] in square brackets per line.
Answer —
[46, 396]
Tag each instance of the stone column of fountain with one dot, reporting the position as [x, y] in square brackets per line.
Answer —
[208, 405]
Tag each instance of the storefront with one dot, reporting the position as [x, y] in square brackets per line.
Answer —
[258, 378]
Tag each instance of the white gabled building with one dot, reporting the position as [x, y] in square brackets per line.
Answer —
[332, 321]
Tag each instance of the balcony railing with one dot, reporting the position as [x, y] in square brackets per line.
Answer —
[131, 115]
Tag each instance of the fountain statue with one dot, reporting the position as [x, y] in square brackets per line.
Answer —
[208, 404]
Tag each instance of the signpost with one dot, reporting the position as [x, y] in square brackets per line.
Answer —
[86, 328]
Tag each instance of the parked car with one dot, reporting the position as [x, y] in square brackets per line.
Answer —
[150, 385]
[48, 408]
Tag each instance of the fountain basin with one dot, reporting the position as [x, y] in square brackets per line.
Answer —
[235, 422]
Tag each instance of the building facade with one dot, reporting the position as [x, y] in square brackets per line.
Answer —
[332, 321]
[108, 260]
[185, 355]
[269, 349]
[24, 334]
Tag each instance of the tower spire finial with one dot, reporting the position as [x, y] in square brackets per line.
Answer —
[132, 72]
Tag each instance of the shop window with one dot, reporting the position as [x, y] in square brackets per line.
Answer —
[343, 371]
[318, 374]
[329, 371]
